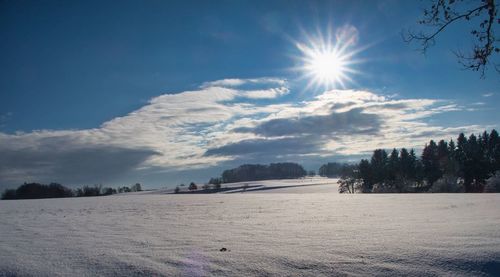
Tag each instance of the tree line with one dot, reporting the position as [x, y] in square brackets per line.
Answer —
[257, 172]
[334, 170]
[471, 164]
[55, 190]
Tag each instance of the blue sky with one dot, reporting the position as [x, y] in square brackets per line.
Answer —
[167, 87]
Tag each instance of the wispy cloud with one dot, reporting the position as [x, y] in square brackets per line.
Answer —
[488, 94]
[223, 122]
[235, 82]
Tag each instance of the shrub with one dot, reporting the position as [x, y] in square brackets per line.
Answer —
[89, 191]
[108, 191]
[493, 183]
[192, 186]
[136, 187]
[349, 185]
[9, 194]
[447, 183]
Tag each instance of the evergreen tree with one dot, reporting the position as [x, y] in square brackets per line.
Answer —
[465, 165]
[378, 165]
[365, 173]
[443, 155]
[494, 151]
[430, 162]
[407, 163]
[413, 166]
[393, 165]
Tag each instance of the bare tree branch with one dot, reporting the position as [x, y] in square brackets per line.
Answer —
[444, 13]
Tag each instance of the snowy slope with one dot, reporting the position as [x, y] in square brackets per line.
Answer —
[303, 185]
[266, 234]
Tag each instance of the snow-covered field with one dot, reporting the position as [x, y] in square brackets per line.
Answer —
[295, 231]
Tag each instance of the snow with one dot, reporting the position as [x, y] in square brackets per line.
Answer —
[303, 185]
[293, 231]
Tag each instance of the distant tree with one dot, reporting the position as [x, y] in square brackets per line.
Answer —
[205, 186]
[9, 194]
[349, 184]
[378, 164]
[124, 189]
[493, 152]
[334, 170]
[483, 15]
[177, 189]
[108, 191]
[472, 163]
[393, 165]
[416, 169]
[311, 173]
[192, 186]
[37, 191]
[493, 183]
[447, 184]
[466, 166]
[87, 191]
[430, 162]
[255, 172]
[407, 164]
[136, 187]
[365, 173]
[215, 181]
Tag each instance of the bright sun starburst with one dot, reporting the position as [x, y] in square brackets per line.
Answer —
[328, 63]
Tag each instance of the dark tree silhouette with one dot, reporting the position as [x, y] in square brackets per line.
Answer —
[407, 162]
[333, 170]
[215, 181]
[124, 189]
[255, 172]
[481, 14]
[378, 165]
[136, 187]
[192, 186]
[108, 191]
[430, 162]
[55, 190]
[365, 173]
[494, 150]
[393, 165]
[472, 165]
[87, 191]
[37, 191]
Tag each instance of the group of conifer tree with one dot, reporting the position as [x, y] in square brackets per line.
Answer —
[468, 165]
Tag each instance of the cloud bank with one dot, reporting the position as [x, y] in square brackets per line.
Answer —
[225, 122]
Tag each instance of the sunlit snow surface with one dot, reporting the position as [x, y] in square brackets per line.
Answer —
[301, 231]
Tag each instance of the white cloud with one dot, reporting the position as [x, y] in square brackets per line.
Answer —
[240, 82]
[223, 122]
[265, 93]
[488, 94]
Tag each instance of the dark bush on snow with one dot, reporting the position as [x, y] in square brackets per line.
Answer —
[37, 191]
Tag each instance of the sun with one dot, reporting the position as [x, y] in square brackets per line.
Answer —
[329, 63]
[327, 67]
